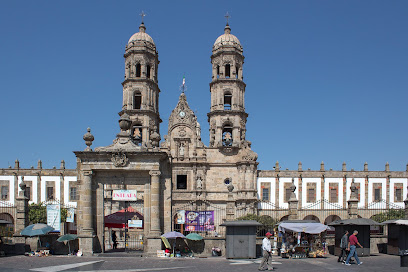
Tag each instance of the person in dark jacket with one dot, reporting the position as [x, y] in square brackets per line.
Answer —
[343, 247]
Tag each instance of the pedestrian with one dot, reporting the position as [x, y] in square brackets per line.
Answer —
[114, 240]
[343, 247]
[267, 253]
[353, 242]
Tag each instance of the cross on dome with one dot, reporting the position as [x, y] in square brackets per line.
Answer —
[227, 16]
[142, 15]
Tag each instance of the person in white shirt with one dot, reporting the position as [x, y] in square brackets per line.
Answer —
[267, 250]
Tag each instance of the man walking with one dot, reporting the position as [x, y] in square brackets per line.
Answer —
[343, 247]
[266, 249]
[353, 242]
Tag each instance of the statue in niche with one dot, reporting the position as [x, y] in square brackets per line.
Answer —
[199, 183]
[181, 150]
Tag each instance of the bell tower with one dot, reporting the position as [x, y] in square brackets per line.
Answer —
[227, 116]
[140, 88]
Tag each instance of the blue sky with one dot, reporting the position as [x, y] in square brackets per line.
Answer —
[326, 80]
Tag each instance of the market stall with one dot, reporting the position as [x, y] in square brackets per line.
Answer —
[397, 235]
[302, 239]
[362, 225]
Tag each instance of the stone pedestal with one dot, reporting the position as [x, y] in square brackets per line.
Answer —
[22, 214]
[293, 209]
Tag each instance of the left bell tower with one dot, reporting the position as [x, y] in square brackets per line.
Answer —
[141, 90]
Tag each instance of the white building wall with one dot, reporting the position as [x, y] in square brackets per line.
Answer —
[339, 182]
[305, 181]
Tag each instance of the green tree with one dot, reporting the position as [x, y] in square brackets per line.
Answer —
[37, 213]
[390, 214]
[268, 223]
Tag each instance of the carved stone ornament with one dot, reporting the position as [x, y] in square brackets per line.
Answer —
[119, 159]
[182, 132]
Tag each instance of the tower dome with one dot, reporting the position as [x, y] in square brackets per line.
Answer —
[227, 40]
[141, 36]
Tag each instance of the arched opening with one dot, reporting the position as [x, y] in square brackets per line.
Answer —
[218, 71]
[227, 135]
[236, 71]
[148, 71]
[227, 70]
[137, 133]
[331, 218]
[284, 218]
[137, 100]
[312, 217]
[138, 67]
[227, 101]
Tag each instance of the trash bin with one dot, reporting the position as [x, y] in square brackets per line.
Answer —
[404, 258]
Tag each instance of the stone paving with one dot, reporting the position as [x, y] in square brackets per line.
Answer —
[212, 264]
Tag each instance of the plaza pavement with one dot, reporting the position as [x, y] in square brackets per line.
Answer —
[135, 263]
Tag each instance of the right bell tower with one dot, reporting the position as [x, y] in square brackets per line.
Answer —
[227, 116]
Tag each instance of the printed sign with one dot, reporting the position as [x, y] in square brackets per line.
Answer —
[54, 216]
[70, 215]
[135, 223]
[199, 221]
[124, 195]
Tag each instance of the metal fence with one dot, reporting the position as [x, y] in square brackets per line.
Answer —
[8, 213]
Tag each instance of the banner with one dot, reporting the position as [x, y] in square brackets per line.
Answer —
[54, 216]
[181, 217]
[199, 221]
[70, 215]
[124, 195]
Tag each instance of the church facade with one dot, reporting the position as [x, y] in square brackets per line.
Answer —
[179, 181]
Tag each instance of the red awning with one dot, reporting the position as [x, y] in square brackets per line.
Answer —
[119, 219]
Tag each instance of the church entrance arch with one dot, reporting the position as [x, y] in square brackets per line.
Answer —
[123, 220]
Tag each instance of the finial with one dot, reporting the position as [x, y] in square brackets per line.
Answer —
[227, 16]
[88, 137]
[344, 167]
[39, 164]
[62, 164]
[183, 86]
[387, 167]
[142, 15]
[300, 166]
[277, 168]
[142, 27]
[17, 164]
[365, 166]
[322, 166]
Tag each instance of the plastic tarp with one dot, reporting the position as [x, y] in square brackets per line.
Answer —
[312, 228]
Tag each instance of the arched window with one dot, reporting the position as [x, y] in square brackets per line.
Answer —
[236, 71]
[218, 71]
[148, 71]
[137, 133]
[227, 101]
[227, 71]
[137, 100]
[138, 70]
[227, 135]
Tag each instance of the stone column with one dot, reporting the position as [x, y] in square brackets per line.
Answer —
[293, 203]
[85, 210]
[153, 239]
[155, 203]
[353, 202]
[146, 203]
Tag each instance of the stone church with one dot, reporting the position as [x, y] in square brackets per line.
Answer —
[180, 170]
